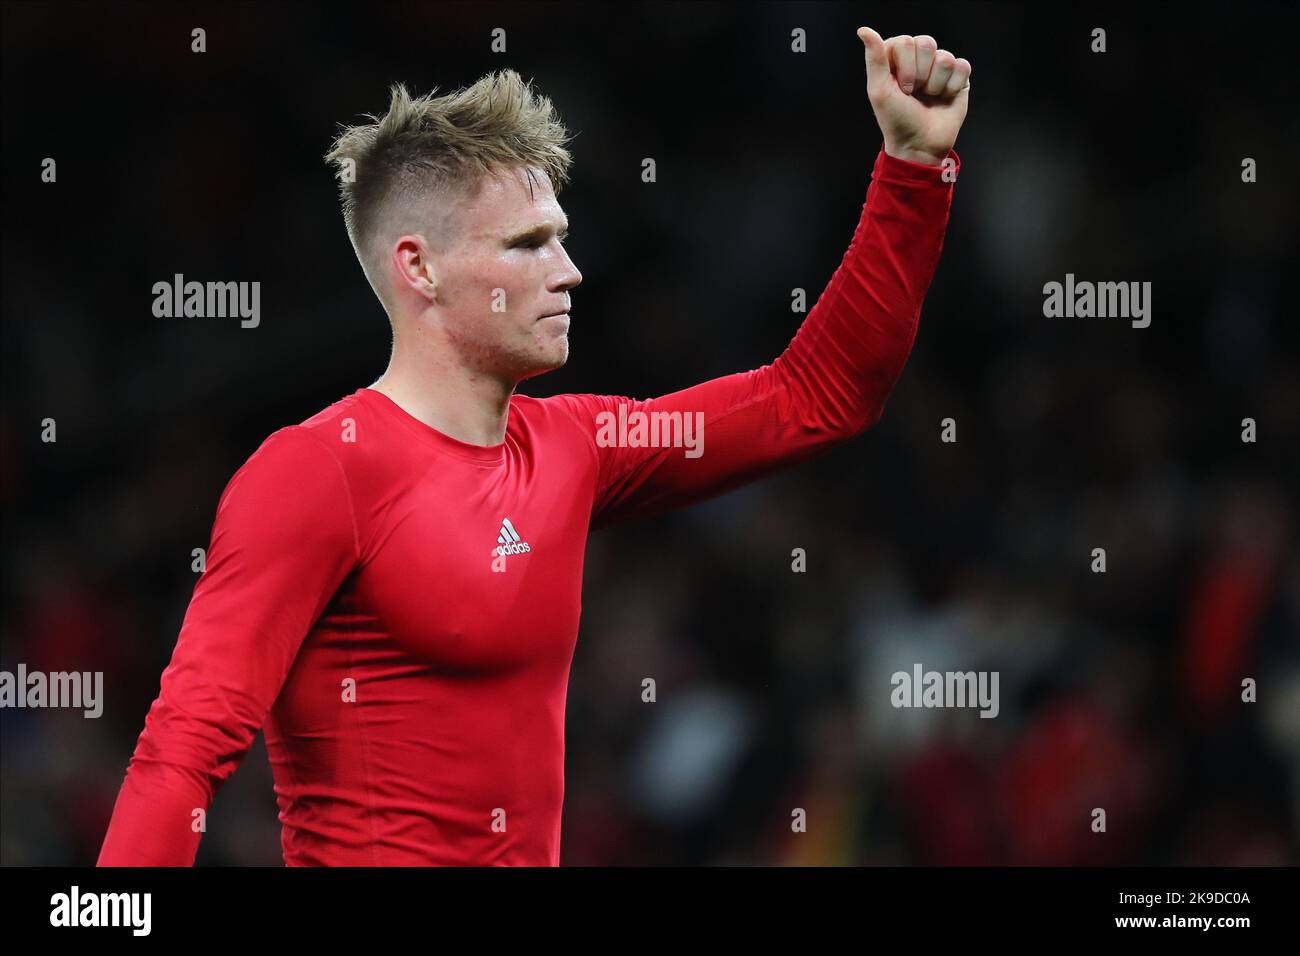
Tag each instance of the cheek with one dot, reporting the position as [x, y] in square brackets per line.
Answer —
[494, 294]
[502, 289]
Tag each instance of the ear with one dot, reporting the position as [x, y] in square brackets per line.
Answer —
[413, 266]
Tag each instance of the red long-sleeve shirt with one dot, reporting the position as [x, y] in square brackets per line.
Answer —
[410, 677]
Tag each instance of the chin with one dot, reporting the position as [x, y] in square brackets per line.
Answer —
[558, 351]
[555, 359]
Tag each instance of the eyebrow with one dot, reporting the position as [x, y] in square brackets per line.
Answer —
[540, 229]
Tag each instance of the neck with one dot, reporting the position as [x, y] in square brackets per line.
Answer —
[459, 402]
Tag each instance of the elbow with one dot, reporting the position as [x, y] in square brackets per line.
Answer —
[844, 425]
[861, 420]
[868, 408]
[871, 414]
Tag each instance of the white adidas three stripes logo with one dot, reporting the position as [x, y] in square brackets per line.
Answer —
[508, 541]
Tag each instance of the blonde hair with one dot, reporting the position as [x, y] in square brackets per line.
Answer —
[445, 145]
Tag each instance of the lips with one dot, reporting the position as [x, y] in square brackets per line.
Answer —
[551, 315]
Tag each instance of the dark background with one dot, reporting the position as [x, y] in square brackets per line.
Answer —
[1118, 690]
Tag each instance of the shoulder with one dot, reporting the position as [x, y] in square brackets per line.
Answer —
[292, 461]
[292, 492]
[575, 412]
[307, 456]
[336, 423]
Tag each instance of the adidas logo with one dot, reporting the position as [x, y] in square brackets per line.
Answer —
[508, 540]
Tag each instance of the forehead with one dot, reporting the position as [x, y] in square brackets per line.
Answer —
[510, 201]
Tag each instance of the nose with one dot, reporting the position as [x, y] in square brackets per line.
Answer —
[568, 277]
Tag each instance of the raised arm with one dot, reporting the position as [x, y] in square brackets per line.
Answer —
[282, 543]
[833, 379]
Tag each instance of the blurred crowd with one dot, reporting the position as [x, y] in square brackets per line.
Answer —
[1120, 690]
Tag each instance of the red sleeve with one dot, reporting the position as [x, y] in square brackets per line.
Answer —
[829, 384]
[282, 543]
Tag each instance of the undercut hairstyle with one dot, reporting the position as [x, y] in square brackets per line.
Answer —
[441, 148]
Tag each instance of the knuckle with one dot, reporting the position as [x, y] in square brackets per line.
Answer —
[925, 42]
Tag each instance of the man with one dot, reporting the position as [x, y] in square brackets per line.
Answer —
[393, 586]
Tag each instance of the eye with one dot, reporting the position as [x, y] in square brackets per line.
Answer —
[539, 242]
